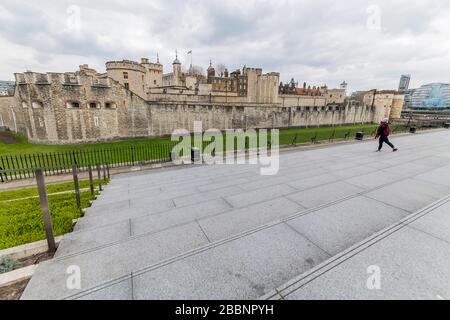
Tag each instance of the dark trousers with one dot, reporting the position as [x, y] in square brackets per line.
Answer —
[385, 140]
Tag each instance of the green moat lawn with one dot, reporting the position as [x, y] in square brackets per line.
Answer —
[21, 218]
[287, 136]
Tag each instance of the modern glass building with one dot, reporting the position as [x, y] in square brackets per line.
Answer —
[429, 96]
[404, 82]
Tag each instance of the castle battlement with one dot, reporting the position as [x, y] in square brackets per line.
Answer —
[66, 78]
[150, 65]
[125, 65]
[30, 77]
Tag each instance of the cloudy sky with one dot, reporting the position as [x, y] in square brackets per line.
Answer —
[367, 43]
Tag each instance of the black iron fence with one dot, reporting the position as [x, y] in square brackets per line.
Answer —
[23, 166]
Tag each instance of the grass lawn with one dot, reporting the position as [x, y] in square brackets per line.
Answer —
[51, 188]
[25, 147]
[21, 221]
[286, 136]
[134, 151]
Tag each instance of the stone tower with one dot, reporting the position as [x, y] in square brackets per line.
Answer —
[176, 70]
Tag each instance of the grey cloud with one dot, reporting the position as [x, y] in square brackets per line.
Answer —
[315, 41]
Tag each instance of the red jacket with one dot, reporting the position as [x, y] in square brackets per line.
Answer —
[383, 130]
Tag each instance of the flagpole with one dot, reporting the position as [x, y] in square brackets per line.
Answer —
[190, 52]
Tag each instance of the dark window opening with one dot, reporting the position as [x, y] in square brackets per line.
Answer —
[74, 105]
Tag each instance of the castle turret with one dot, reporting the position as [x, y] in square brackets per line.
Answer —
[211, 72]
[176, 70]
[130, 74]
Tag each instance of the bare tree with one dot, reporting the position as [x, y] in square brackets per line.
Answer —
[220, 69]
[196, 71]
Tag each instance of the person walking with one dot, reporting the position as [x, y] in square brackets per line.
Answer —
[383, 133]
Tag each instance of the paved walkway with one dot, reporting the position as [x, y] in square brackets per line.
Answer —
[411, 258]
[226, 232]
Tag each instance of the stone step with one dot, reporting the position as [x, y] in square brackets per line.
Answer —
[225, 216]
[132, 254]
[242, 239]
[244, 266]
[402, 252]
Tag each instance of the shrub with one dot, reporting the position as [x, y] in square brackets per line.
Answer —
[8, 264]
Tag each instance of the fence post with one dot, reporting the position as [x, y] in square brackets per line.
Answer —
[74, 158]
[45, 210]
[107, 170]
[76, 185]
[104, 172]
[99, 176]
[91, 182]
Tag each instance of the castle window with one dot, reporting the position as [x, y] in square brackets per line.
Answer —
[127, 85]
[73, 105]
[154, 81]
[125, 75]
[110, 105]
[94, 105]
[37, 104]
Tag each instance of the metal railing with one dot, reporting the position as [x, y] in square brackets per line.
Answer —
[22, 166]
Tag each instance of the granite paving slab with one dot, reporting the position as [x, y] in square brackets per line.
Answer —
[229, 228]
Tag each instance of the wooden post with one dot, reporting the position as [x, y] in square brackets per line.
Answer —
[91, 181]
[99, 176]
[107, 170]
[76, 185]
[45, 210]
[104, 172]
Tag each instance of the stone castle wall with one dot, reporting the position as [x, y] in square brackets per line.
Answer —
[55, 108]
[8, 116]
[168, 117]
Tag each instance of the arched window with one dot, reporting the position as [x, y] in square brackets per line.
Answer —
[110, 105]
[94, 105]
[72, 105]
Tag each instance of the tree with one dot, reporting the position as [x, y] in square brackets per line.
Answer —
[196, 71]
[220, 69]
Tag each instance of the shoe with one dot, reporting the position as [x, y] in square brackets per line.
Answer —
[395, 149]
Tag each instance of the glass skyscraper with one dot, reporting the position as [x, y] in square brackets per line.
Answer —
[404, 82]
[429, 96]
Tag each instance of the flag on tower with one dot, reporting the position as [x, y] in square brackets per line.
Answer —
[189, 52]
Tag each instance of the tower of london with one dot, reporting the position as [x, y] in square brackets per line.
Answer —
[137, 99]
